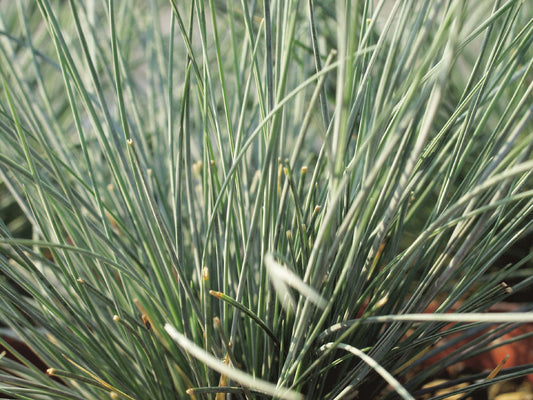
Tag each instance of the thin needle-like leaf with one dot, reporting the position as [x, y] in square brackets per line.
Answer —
[232, 373]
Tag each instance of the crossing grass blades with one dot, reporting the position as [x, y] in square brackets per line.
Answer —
[261, 199]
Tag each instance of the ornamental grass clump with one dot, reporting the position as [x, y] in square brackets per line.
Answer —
[261, 199]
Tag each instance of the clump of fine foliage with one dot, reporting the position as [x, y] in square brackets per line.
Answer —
[260, 199]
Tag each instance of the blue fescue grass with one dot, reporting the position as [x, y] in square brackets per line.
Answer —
[249, 199]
